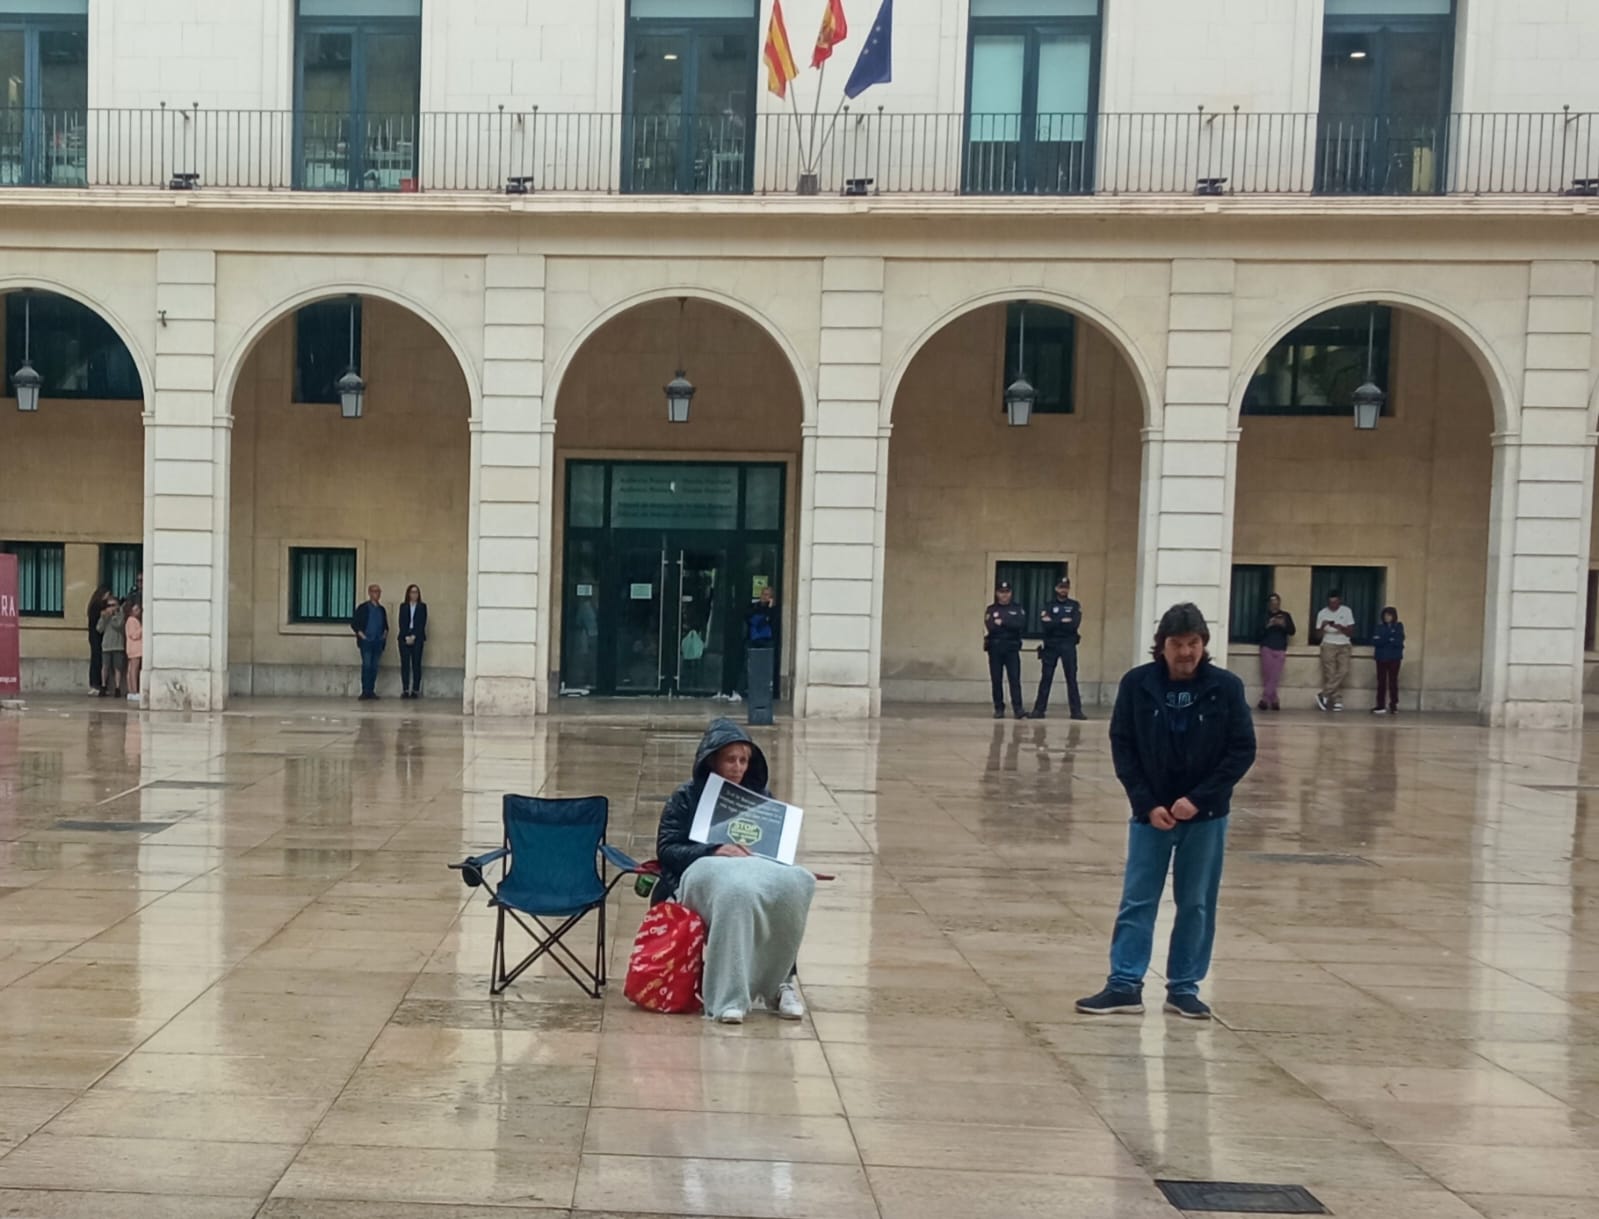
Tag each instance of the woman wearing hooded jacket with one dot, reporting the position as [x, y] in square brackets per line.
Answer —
[754, 908]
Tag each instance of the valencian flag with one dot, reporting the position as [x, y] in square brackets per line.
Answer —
[876, 64]
[835, 28]
[780, 67]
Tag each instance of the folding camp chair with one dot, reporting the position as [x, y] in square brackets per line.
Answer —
[554, 861]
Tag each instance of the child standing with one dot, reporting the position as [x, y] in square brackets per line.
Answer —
[135, 635]
[114, 648]
[1388, 646]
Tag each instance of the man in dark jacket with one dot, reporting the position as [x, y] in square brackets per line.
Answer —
[1004, 623]
[1062, 621]
[1181, 738]
[370, 622]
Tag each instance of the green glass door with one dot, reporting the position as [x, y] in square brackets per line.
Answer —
[702, 609]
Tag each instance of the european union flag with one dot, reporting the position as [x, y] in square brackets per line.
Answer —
[876, 64]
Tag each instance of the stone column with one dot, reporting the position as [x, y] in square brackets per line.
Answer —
[1190, 461]
[506, 644]
[186, 502]
[1542, 513]
[843, 498]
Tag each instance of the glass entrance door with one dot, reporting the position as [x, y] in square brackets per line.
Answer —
[671, 600]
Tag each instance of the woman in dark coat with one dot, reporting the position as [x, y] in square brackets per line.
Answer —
[412, 630]
[754, 907]
[96, 655]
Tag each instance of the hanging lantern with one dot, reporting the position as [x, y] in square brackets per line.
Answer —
[679, 390]
[26, 380]
[1020, 394]
[351, 388]
[1369, 398]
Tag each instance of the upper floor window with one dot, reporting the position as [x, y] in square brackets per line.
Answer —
[73, 348]
[1317, 366]
[1032, 80]
[690, 96]
[358, 83]
[1385, 83]
[44, 68]
[325, 333]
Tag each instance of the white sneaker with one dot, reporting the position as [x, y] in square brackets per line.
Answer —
[789, 1004]
[1338, 706]
[731, 1016]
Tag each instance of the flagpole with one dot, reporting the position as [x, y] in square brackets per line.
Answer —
[832, 125]
[799, 134]
[816, 111]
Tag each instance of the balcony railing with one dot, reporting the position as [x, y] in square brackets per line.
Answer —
[871, 152]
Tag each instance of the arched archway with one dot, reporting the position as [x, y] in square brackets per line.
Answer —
[1395, 516]
[662, 533]
[72, 471]
[971, 499]
[322, 505]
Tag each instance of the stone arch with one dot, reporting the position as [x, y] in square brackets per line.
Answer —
[141, 358]
[1500, 389]
[233, 364]
[563, 365]
[1149, 385]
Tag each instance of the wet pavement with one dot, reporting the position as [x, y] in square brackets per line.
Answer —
[237, 979]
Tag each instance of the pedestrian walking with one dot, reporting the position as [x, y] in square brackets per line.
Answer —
[1274, 639]
[1062, 621]
[1388, 647]
[1181, 738]
[1004, 623]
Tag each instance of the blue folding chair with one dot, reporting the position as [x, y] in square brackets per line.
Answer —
[553, 867]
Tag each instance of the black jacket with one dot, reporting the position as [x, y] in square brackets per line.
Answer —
[1062, 622]
[404, 627]
[1215, 752]
[361, 622]
[673, 847]
[1005, 624]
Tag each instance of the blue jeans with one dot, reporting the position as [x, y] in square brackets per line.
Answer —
[1193, 851]
[371, 656]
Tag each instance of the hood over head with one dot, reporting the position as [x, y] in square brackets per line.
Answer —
[720, 734]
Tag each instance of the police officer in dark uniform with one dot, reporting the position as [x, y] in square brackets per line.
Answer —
[1063, 623]
[1004, 624]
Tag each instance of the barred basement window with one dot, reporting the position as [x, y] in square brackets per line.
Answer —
[1246, 610]
[1032, 588]
[120, 565]
[41, 578]
[321, 585]
[1362, 589]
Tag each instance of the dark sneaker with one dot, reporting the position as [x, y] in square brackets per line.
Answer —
[1037, 714]
[1321, 701]
[999, 713]
[1262, 706]
[1020, 714]
[1111, 1002]
[1078, 715]
[1189, 1007]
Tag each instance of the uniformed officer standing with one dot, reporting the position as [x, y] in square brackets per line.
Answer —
[1003, 626]
[1063, 624]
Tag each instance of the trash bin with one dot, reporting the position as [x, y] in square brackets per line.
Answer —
[761, 662]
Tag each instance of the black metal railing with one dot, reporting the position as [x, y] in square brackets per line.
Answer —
[856, 152]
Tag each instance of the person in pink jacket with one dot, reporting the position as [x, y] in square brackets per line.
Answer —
[135, 630]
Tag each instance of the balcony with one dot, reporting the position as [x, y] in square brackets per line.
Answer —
[864, 153]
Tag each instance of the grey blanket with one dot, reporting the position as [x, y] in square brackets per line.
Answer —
[755, 911]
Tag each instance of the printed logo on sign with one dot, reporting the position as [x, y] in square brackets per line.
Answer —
[743, 833]
[8, 607]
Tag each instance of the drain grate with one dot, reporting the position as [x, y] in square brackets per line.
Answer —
[1241, 1198]
[117, 827]
[1314, 860]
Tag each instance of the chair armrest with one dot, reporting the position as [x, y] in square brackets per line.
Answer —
[471, 868]
[619, 859]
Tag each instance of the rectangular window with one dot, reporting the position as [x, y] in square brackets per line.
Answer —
[44, 62]
[1593, 610]
[1032, 81]
[321, 585]
[41, 577]
[1385, 86]
[1317, 367]
[71, 346]
[322, 344]
[1246, 609]
[1363, 589]
[689, 97]
[1032, 588]
[1047, 360]
[120, 565]
[358, 88]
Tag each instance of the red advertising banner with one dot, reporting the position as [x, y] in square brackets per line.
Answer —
[10, 630]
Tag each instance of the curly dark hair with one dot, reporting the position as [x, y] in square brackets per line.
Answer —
[1183, 618]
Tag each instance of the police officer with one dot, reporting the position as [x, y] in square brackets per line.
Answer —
[1063, 623]
[1003, 626]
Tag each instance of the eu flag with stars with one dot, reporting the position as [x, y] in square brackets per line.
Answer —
[876, 64]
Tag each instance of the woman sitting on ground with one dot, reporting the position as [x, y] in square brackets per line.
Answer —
[754, 908]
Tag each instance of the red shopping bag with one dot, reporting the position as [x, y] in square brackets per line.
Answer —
[663, 974]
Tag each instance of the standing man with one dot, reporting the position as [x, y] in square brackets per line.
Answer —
[371, 626]
[1181, 738]
[760, 631]
[1063, 624]
[1003, 627]
[1336, 623]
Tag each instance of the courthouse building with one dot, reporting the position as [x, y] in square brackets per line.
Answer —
[1198, 233]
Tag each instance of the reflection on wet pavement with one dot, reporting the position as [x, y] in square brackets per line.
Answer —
[236, 978]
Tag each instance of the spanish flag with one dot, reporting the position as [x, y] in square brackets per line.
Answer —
[780, 67]
[835, 28]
